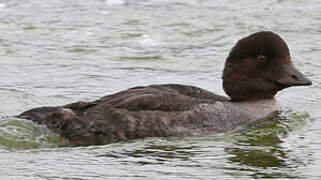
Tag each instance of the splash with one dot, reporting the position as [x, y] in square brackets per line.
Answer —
[23, 134]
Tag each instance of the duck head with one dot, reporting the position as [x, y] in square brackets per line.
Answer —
[259, 66]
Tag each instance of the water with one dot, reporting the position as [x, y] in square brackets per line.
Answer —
[56, 52]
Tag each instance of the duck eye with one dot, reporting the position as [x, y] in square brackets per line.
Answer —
[261, 58]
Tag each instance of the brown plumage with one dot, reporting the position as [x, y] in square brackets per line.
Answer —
[257, 67]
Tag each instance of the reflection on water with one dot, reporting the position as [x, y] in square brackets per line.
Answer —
[259, 148]
[155, 154]
[256, 151]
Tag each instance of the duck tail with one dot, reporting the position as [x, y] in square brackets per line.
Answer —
[62, 121]
[53, 117]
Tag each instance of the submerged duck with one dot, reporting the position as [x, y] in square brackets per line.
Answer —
[257, 67]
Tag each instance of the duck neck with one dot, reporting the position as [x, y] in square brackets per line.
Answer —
[242, 88]
[246, 112]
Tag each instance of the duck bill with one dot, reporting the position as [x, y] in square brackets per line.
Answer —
[293, 77]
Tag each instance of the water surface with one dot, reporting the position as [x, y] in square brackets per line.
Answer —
[56, 52]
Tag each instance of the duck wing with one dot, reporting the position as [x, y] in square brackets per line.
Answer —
[167, 97]
[151, 111]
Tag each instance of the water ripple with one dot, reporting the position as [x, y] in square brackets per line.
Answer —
[56, 52]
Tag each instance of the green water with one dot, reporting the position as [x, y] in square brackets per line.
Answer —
[22, 134]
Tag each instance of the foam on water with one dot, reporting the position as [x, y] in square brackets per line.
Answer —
[58, 52]
[3, 5]
[114, 2]
[146, 40]
[105, 12]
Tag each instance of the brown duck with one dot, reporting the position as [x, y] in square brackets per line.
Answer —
[257, 67]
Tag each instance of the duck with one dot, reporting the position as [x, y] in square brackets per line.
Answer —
[257, 67]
